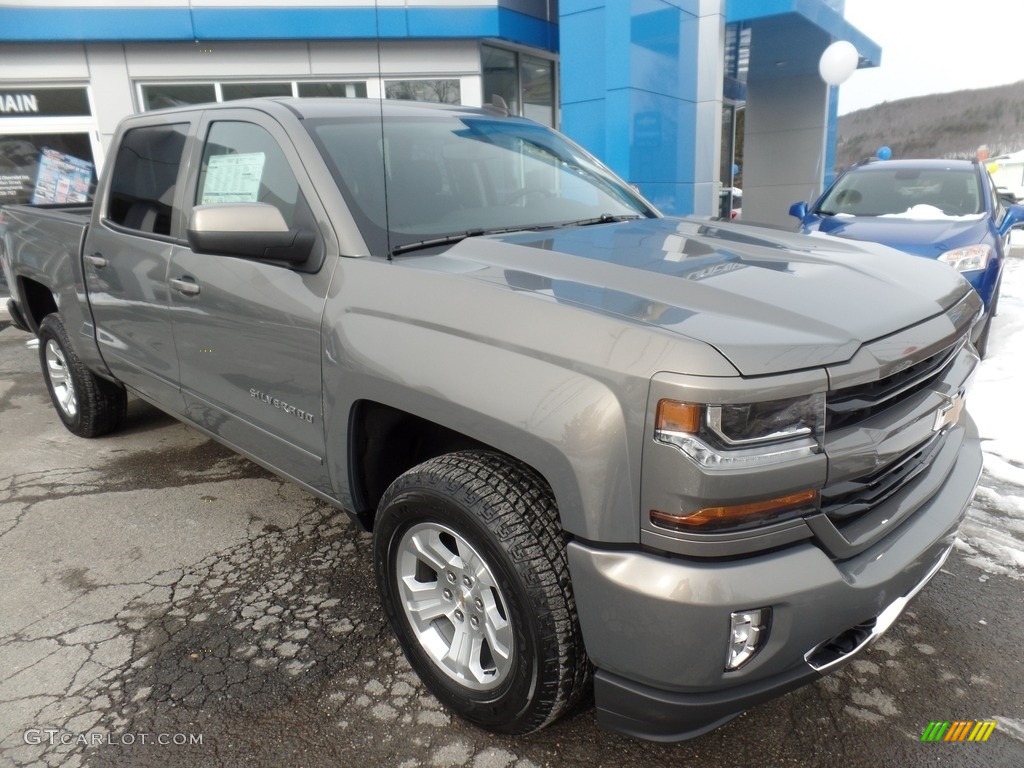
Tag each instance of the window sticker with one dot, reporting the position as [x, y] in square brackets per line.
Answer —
[233, 178]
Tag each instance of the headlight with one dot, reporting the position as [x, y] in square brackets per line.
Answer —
[743, 435]
[969, 259]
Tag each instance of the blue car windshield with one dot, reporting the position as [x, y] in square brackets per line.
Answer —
[876, 190]
[426, 177]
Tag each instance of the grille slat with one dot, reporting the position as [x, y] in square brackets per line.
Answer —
[850, 405]
[847, 500]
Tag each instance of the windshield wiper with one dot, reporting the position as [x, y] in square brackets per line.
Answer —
[458, 237]
[455, 237]
[604, 218]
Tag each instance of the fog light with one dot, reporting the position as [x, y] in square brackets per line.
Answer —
[747, 635]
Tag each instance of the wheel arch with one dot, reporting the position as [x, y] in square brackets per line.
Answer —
[589, 479]
[386, 441]
[38, 301]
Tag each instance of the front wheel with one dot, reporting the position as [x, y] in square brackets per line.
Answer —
[473, 576]
[87, 405]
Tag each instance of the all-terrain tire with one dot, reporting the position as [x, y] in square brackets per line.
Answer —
[86, 404]
[472, 570]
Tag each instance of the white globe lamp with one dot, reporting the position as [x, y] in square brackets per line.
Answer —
[838, 62]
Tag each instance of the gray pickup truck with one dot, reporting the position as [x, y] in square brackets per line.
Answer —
[686, 464]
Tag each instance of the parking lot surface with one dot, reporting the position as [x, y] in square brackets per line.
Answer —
[168, 603]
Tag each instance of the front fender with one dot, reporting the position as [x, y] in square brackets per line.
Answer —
[570, 428]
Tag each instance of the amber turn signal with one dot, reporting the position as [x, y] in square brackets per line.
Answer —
[736, 514]
[674, 416]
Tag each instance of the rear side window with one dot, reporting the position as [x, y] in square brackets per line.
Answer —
[144, 178]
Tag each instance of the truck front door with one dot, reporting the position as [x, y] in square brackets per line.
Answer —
[247, 331]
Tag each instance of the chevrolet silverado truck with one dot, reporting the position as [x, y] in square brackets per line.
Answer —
[685, 464]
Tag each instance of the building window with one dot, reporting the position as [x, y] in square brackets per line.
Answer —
[46, 152]
[46, 168]
[236, 91]
[29, 102]
[538, 86]
[525, 83]
[163, 95]
[447, 91]
[500, 70]
[354, 90]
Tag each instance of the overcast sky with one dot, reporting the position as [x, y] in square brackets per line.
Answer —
[933, 46]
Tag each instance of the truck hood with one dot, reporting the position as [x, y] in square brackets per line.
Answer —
[768, 300]
[922, 237]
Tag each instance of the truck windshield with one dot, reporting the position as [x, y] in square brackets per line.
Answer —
[427, 177]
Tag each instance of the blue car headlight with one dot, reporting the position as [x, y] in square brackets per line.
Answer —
[970, 259]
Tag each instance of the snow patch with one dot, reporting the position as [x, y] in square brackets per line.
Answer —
[876, 700]
[925, 212]
[992, 537]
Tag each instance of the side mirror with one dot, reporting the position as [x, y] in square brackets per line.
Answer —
[1014, 218]
[248, 230]
[799, 210]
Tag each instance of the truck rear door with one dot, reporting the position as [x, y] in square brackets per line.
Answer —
[127, 252]
[247, 331]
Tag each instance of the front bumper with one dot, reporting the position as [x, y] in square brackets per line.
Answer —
[656, 627]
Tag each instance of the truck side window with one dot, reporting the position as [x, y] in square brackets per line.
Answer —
[242, 163]
[144, 177]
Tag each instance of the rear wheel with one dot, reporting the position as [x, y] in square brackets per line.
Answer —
[87, 405]
[473, 575]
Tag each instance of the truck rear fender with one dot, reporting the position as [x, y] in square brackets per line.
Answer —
[47, 265]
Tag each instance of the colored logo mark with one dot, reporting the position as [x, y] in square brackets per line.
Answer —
[958, 730]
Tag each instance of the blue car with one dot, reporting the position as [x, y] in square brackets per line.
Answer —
[948, 210]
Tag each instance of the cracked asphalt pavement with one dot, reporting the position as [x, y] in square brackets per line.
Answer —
[167, 603]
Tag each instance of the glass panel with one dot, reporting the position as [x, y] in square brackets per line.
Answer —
[43, 102]
[727, 196]
[440, 91]
[29, 160]
[144, 178]
[242, 163]
[161, 96]
[500, 76]
[355, 90]
[464, 173]
[880, 190]
[234, 91]
[538, 90]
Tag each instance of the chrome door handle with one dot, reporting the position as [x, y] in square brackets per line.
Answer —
[186, 287]
[96, 260]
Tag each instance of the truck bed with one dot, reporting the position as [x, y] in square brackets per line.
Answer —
[42, 246]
